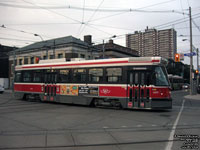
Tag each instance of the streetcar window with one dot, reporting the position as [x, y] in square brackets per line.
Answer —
[37, 76]
[142, 78]
[96, 75]
[136, 78]
[27, 76]
[114, 74]
[63, 76]
[79, 75]
[18, 76]
[159, 77]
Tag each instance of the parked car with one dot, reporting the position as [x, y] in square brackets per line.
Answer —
[186, 86]
[1, 89]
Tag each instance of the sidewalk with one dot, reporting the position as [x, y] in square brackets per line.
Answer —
[193, 97]
[8, 91]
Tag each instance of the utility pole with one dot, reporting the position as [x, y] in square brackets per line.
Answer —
[197, 66]
[103, 49]
[54, 54]
[191, 57]
[14, 64]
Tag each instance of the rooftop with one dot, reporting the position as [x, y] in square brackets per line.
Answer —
[53, 42]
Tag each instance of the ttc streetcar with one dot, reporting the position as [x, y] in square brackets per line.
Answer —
[133, 83]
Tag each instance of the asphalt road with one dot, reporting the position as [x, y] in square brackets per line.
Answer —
[48, 126]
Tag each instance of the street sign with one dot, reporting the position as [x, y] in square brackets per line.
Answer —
[190, 54]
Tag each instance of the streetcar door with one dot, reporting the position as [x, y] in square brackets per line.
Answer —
[50, 79]
[138, 89]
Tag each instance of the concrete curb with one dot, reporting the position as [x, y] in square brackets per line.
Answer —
[193, 97]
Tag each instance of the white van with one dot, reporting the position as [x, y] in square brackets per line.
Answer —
[1, 89]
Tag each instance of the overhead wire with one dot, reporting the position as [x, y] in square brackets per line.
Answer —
[130, 10]
[82, 22]
[22, 31]
[33, 24]
[49, 10]
[95, 11]
[178, 21]
[86, 9]
[106, 10]
[3, 38]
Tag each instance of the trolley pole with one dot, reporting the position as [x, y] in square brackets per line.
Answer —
[191, 57]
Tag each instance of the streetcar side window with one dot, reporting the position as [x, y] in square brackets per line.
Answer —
[18, 76]
[37, 76]
[79, 75]
[96, 75]
[63, 76]
[27, 76]
[114, 74]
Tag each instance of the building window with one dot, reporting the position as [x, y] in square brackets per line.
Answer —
[44, 57]
[32, 60]
[51, 56]
[82, 56]
[60, 55]
[25, 60]
[20, 61]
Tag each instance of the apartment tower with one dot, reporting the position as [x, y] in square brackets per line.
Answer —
[153, 42]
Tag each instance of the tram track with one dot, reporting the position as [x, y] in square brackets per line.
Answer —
[88, 145]
[63, 131]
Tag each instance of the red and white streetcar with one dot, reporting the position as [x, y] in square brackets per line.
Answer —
[134, 83]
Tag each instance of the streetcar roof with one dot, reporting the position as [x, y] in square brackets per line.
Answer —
[62, 63]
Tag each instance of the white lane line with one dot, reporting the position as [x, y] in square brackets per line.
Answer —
[171, 136]
[105, 127]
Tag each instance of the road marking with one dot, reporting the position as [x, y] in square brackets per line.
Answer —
[105, 127]
[139, 125]
[154, 125]
[123, 126]
[171, 136]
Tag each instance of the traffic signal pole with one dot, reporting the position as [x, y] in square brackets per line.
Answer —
[198, 66]
[191, 57]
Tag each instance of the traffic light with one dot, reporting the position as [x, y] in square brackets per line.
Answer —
[177, 57]
[197, 71]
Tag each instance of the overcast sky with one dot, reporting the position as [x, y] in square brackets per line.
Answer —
[100, 18]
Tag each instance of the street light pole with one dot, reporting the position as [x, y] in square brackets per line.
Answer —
[14, 64]
[197, 66]
[191, 57]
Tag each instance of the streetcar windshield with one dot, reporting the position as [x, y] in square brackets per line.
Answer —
[160, 77]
